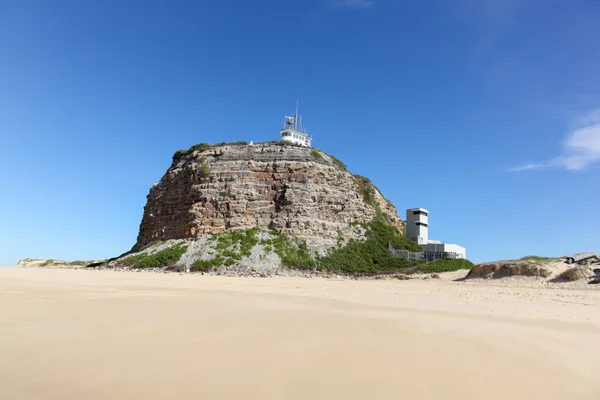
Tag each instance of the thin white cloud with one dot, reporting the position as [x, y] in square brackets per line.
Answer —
[580, 149]
[529, 167]
[355, 4]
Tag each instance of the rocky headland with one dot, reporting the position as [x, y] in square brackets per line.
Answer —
[265, 209]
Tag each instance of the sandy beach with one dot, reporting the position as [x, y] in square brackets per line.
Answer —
[73, 334]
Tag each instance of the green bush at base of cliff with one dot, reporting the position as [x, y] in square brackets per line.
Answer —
[294, 255]
[371, 255]
[357, 257]
[163, 258]
[207, 265]
[231, 247]
[444, 265]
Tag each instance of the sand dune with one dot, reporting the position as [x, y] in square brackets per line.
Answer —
[73, 334]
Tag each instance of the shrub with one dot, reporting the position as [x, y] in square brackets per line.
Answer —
[291, 254]
[239, 143]
[316, 154]
[207, 265]
[163, 258]
[575, 274]
[445, 265]
[338, 163]
[199, 147]
[231, 247]
[178, 154]
[366, 189]
[371, 255]
[535, 258]
[79, 263]
[229, 262]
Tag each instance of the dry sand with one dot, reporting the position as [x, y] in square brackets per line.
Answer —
[80, 334]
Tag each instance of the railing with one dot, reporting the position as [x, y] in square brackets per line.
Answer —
[421, 255]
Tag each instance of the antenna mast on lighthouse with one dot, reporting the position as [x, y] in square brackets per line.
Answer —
[296, 117]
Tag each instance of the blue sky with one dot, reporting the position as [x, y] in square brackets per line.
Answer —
[485, 112]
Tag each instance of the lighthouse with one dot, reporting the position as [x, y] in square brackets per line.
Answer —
[294, 132]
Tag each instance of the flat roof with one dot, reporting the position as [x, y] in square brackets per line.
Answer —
[418, 209]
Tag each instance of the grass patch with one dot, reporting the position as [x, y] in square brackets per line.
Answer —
[163, 258]
[79, 263]
[366, 189]
[316, 154]
[535, 258]
[204, 170]
[338, 163]
[200, 147]
[151, 244]
[178, 154]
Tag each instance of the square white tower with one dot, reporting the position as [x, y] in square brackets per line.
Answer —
[417, 225]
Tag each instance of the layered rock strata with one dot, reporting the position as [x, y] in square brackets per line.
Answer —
[302, 192]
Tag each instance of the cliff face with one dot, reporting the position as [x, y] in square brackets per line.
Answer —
[298, 191]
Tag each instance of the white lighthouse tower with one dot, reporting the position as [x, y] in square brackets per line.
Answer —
[417, 225]
[294, 132]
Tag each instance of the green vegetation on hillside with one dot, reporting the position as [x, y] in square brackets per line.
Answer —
[199, 147]
[292, 254]
[178, 154]
[368, 256]
[373, 254]
[231, 247]
[79, 263]
[338, 163]
[444, 265]
[535, 258]
[366, 189]
[163, 258]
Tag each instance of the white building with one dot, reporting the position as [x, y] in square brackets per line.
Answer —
[417, 223]
[417, 229]
[293, 132]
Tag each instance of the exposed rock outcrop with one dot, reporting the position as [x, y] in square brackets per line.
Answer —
[302, 192]
[504, 269]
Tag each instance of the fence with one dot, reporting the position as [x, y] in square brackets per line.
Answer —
[421, 255]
